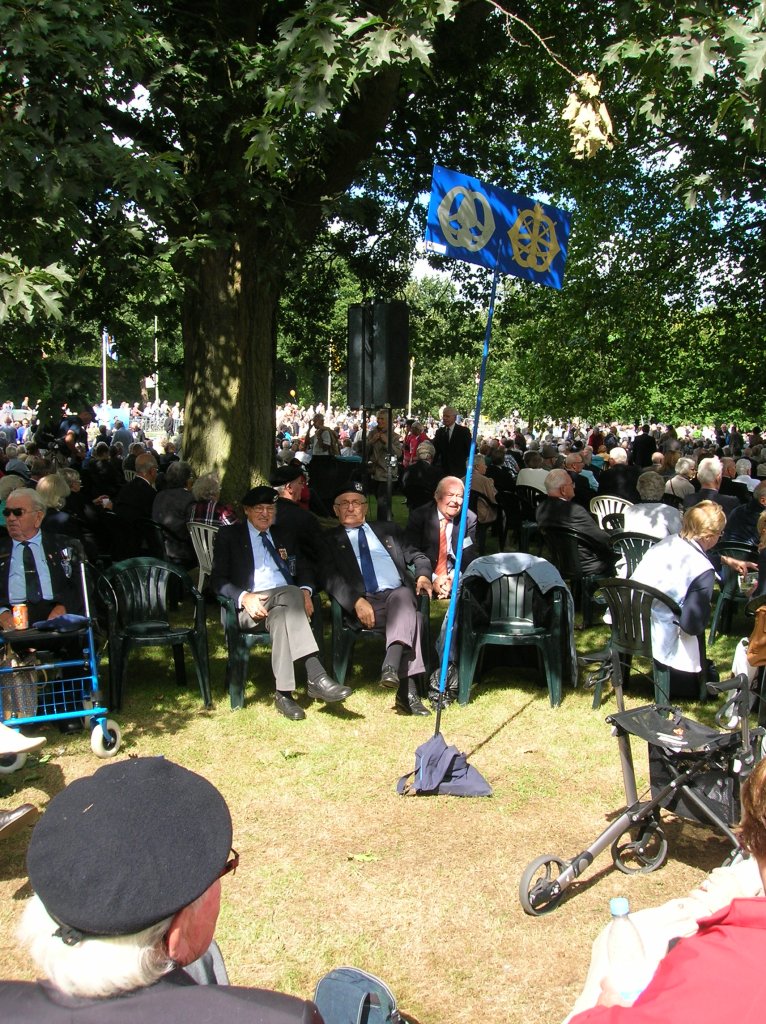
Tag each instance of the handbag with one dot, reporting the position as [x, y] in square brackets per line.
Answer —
[756, 648]
[20, 688]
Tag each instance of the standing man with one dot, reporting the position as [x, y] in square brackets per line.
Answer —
[433, 529]
[452, 442]
[644, 446]
[365, 570]
[255, 565]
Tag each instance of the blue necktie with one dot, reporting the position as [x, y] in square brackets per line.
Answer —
[277, 559]
[365, 561]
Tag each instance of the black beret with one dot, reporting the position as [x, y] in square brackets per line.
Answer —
[260, 496]
[350, 487]
[128, 846]
[286, 475]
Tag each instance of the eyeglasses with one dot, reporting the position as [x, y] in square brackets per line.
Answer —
[350, 504]
[231, 865]
[16, 511]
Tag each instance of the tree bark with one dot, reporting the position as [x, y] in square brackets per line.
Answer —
[229, 335]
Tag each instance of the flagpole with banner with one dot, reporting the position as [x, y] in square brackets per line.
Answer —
[506, 233]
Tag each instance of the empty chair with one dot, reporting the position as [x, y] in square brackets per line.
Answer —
[203, 537]
[136, 596]
[510, 621]
[605, 504]
[528, 498]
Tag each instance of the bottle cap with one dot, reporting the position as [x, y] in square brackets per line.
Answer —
[619, 906]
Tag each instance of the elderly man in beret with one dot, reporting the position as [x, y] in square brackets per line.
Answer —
[257, 565]
[364, 567]
[126, 869]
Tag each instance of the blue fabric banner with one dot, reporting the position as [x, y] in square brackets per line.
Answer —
[495, 228]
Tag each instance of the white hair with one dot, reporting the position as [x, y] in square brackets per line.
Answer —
[618, 454]
[98, 967]
[709, 471]
[743, 467]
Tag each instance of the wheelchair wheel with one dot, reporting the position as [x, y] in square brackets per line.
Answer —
[10, 763]
[106, 747]
[539, 893]
[640, 850]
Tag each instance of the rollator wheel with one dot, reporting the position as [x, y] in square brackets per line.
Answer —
[539, 892]
[100, 745]
[640, 850]
[10, 763]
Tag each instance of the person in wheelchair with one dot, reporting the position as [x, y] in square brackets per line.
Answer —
[36, 570]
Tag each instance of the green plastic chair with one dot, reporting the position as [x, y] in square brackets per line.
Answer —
[136, 594]
[564, 548]
[633, 547]
[510, 624]
[630, 607]
[239, 644]
[346, 631]
[729, 594]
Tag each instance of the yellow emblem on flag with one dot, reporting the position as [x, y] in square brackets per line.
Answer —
[533, 240]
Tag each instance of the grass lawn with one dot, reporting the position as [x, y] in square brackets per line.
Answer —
[336, 868]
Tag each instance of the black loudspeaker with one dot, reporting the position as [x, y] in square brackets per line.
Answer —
[378, 354]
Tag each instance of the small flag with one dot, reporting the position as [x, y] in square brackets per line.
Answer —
[107, 342]
[495, 228]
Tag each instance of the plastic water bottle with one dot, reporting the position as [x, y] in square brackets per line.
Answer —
[628, 969]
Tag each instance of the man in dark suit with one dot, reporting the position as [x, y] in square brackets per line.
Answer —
[619, 480]
[133, 507]
[709, 473]
[644, 446]
[157, 838]
[302, 526]
[364, 567]
[452, 442]
[596, 555]
[433, 529]
[36, 569]
[255, 564]
[575, 464]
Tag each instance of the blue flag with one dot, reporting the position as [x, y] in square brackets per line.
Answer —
[495, 228]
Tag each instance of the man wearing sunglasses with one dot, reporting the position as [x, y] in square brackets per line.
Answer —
[33, 569]
[126, 868]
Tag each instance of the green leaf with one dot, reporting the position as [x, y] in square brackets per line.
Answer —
[753, 59]
[696, 57]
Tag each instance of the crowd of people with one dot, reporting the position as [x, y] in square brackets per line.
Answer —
[108, 485]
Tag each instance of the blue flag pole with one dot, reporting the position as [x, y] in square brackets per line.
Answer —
[464, 511]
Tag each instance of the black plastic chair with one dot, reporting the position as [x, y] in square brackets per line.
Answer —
[346, 631]
[529, 498]
[613, 522]
[564, 549]
[729, 594]
[630, 607]
[239, 643]
[136, 596]
[511, 622]
[632, 547]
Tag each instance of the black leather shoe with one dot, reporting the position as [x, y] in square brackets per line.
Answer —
[410, 704]
[389, 677]
[69, 726]
[326, 689]
[286, 706]
[13, 821]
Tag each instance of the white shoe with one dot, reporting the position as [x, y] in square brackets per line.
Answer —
[12, 742]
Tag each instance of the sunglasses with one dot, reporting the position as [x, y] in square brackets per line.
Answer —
[15, 511]
[231, 865]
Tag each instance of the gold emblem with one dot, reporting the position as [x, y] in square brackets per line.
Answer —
[466, 219]
[533, 238]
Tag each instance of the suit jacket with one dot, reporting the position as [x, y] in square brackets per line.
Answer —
[422, 533]
[644, 446]
[452, 452]
[66, 590]
[174, 999]
[727, 503]
[730, 488]
[596, 554]
[233, 560]
[135, 500]
[620, 481]
[582, 491]
[302, 529]
[340, 570]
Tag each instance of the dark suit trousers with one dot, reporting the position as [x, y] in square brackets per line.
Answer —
[289, 628]
[396, 616]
